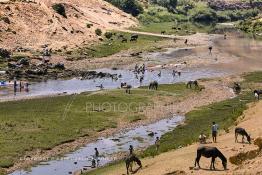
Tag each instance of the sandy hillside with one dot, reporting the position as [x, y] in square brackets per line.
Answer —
[179, 161]
[32, 24]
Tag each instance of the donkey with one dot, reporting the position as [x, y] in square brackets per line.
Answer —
[192, 82]
[257, 93]
[242, 131]
[212, 152]
[129, 160]
[153, 85]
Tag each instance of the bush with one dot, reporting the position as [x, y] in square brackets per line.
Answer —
[88, 25]
[128, 6]
[108, 35]
[4, 53]
[98, 32]
[60, 9]
[202, 13]
[156, 14]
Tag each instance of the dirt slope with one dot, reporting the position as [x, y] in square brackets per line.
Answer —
[179, 161]
[32, 24]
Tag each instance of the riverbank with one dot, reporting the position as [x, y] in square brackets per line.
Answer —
[176, 154]
[180, 102]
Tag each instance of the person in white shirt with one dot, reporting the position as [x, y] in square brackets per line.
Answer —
[214, 131]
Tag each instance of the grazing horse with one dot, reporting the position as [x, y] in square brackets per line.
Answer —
[212, 152]
[237, 88]
[192, 82]
[134, 37]
[242, 131]
[129, 160]
[153, 85]
[257, 93]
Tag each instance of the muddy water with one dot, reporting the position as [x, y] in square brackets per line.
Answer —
[81, 159]
[75, 85]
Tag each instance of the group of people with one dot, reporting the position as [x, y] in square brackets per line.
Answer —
[21, 85]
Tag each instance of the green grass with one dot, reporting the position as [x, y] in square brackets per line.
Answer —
[107, 47]
[255, 77]
[225, 113]
[44, 123]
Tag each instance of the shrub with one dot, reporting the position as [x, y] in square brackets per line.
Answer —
[108, 35]
[4, 53]
[128, 6]
[202, 13]
[98, 32]
[60, 9]
[88, 25]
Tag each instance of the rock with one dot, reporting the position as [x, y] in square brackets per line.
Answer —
[258, 142]
[23, 61]
[4, 53]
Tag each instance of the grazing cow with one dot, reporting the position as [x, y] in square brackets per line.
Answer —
[192, 82]
[153, 85]
[242, 131]
[257, 93]
[163, 32]
[129, 160]
[210, 152]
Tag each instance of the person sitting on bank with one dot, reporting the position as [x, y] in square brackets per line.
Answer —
[202, 138]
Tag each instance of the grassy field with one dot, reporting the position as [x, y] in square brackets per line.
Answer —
[44, 123]
[173, 28]
[114, 45]
[225, 113]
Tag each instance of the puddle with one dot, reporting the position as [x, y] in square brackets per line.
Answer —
[106, 146]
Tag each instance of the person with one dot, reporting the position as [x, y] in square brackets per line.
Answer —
[225, 36]
[95, 161]
[214, 131]
[131, 150]
[174, 73]
[202, 138]
[186, 42]
[210, 49]
[157, 143]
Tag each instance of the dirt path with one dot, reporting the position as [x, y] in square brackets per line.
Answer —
[179, 161]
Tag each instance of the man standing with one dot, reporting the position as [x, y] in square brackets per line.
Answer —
[157, 143]
[214, 131]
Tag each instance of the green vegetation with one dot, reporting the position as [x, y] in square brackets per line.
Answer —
[115, 44]
[60, 9]
[44, 123]
[225, 113]
[98, 32]
[251, 26]
[129, 6]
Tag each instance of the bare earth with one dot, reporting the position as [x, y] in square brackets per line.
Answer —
[180, 161]
[35, 24]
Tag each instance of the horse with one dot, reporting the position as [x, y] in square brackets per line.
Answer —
[257, 93]
[129, 160]
[237, 88]
[212, 152]
[192, 82]
[153, 85]
[242, 131]
[134, 37]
